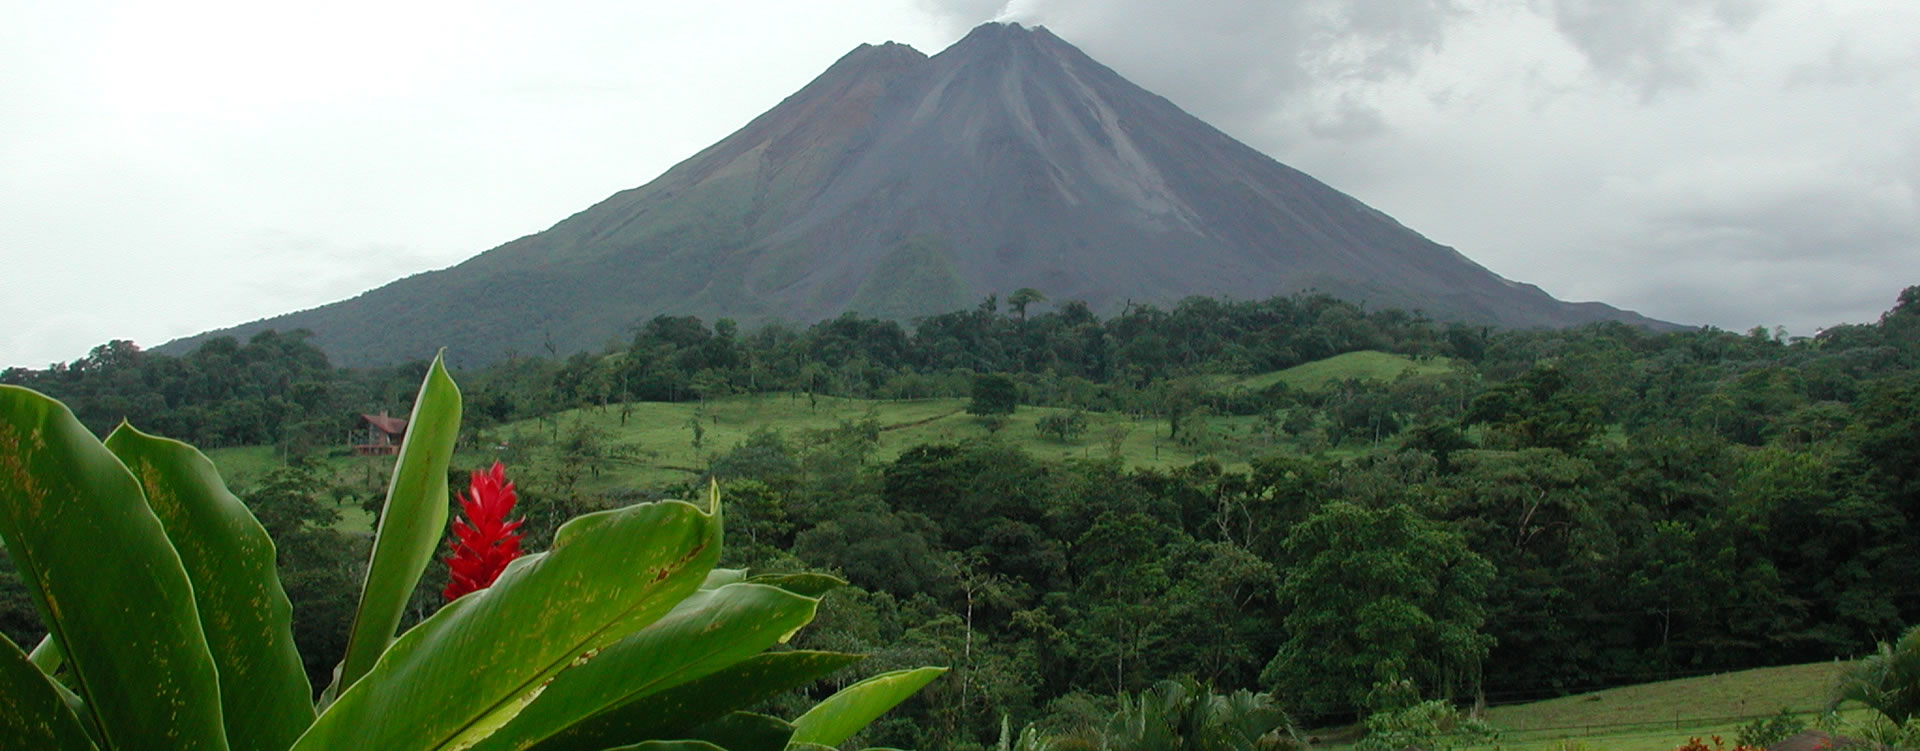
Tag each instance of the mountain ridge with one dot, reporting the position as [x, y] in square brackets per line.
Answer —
[898, 185]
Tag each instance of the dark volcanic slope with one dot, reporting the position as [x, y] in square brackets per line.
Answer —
[899, 185]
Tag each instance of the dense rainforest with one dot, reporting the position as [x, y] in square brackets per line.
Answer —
[1555, 511]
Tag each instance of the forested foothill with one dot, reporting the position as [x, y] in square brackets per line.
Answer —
[1539, 513]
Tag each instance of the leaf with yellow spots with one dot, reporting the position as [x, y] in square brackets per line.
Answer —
[463, 673]
[32, 714]
[265, 698]
[706, 632]
[108, 584]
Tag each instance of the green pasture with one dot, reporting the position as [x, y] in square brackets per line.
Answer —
[657, 438]
[1363, 366]
[654, 442]
[1662, 715]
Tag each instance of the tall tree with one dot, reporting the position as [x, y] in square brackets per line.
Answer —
[1021, 298]
[1377, 595]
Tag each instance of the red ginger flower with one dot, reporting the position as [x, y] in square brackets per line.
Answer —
[484, 541]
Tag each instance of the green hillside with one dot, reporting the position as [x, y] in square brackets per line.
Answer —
[652, 444]
[657, 438]
[1364, 366]
[1659, 716]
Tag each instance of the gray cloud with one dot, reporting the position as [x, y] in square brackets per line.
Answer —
[1651, 45]
[1349, 120]
[1844, 225]
[1845, 65]
[1804, 295]
[1807, 247]
[300, 266]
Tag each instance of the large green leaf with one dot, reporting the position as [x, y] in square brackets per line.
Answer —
[108, 584]
[745, 731]
[670, 746]
[32, 714]
[809, 584]
[46, 655]
[674, 712]
[704, 633]
[411, 524]
[265, 698]
[463, 673]
[721, 577]
[838, 717]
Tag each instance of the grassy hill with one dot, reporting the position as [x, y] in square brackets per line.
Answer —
[659, 436]
[1659, 716]
[1365, 366]
[656, 439]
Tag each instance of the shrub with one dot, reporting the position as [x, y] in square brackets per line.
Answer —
[993, 394]
[1434, 725]
[1766, 731]
[1062, 426]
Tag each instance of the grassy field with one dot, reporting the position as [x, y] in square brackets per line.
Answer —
[657, 439]
[1660, 716]
[659, 436]
[1365, 366]
[242, 466]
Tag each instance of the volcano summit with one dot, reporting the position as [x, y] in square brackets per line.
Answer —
[899, 185]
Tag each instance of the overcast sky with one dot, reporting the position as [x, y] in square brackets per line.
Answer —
[172, 167]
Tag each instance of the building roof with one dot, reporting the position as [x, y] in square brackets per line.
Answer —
[394, 426]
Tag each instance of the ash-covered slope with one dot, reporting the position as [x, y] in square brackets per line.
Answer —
[899, 185]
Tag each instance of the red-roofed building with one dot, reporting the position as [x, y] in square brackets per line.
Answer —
[384, 434]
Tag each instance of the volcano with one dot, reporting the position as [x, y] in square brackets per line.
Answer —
[897, 185]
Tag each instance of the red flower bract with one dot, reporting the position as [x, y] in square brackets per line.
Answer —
[483, 540]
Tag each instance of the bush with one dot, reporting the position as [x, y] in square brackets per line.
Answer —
[1767, 731]
[1062, 426]
[993, 394]
[1434, 725]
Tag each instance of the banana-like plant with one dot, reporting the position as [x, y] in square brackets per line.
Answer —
[1887, 681]
[168, 627]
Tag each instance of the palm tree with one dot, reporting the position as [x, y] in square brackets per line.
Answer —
[1184, 715]
[1887, 681]
[1023, 297]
